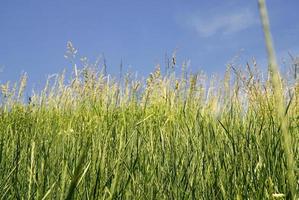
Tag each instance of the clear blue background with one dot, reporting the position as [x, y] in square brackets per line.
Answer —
[34, 33]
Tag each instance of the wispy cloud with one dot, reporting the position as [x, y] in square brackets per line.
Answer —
[224, 23]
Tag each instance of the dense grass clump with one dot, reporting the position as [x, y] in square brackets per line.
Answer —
[168, 137]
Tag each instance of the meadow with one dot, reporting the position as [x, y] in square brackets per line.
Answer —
[169, 136]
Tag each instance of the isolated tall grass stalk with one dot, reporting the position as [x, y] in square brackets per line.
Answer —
[279, 98]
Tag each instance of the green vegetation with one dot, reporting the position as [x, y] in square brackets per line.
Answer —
[167, 137]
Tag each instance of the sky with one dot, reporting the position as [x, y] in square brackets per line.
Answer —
[139, 34]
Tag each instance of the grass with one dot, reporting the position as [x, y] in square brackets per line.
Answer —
[167, 137]
[170, 138]
[279, 98]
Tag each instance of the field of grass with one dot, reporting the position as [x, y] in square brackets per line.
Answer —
[168, 138]
[171, 136]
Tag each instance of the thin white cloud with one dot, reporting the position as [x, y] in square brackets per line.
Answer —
[224, 23]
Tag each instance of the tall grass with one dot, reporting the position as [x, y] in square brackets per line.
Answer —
[169, 137]
[93, 136]
[279, 98]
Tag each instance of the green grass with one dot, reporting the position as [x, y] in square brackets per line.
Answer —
[167, 137]
[279, 99]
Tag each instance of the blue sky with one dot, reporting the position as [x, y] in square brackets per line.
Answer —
[210, 34]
